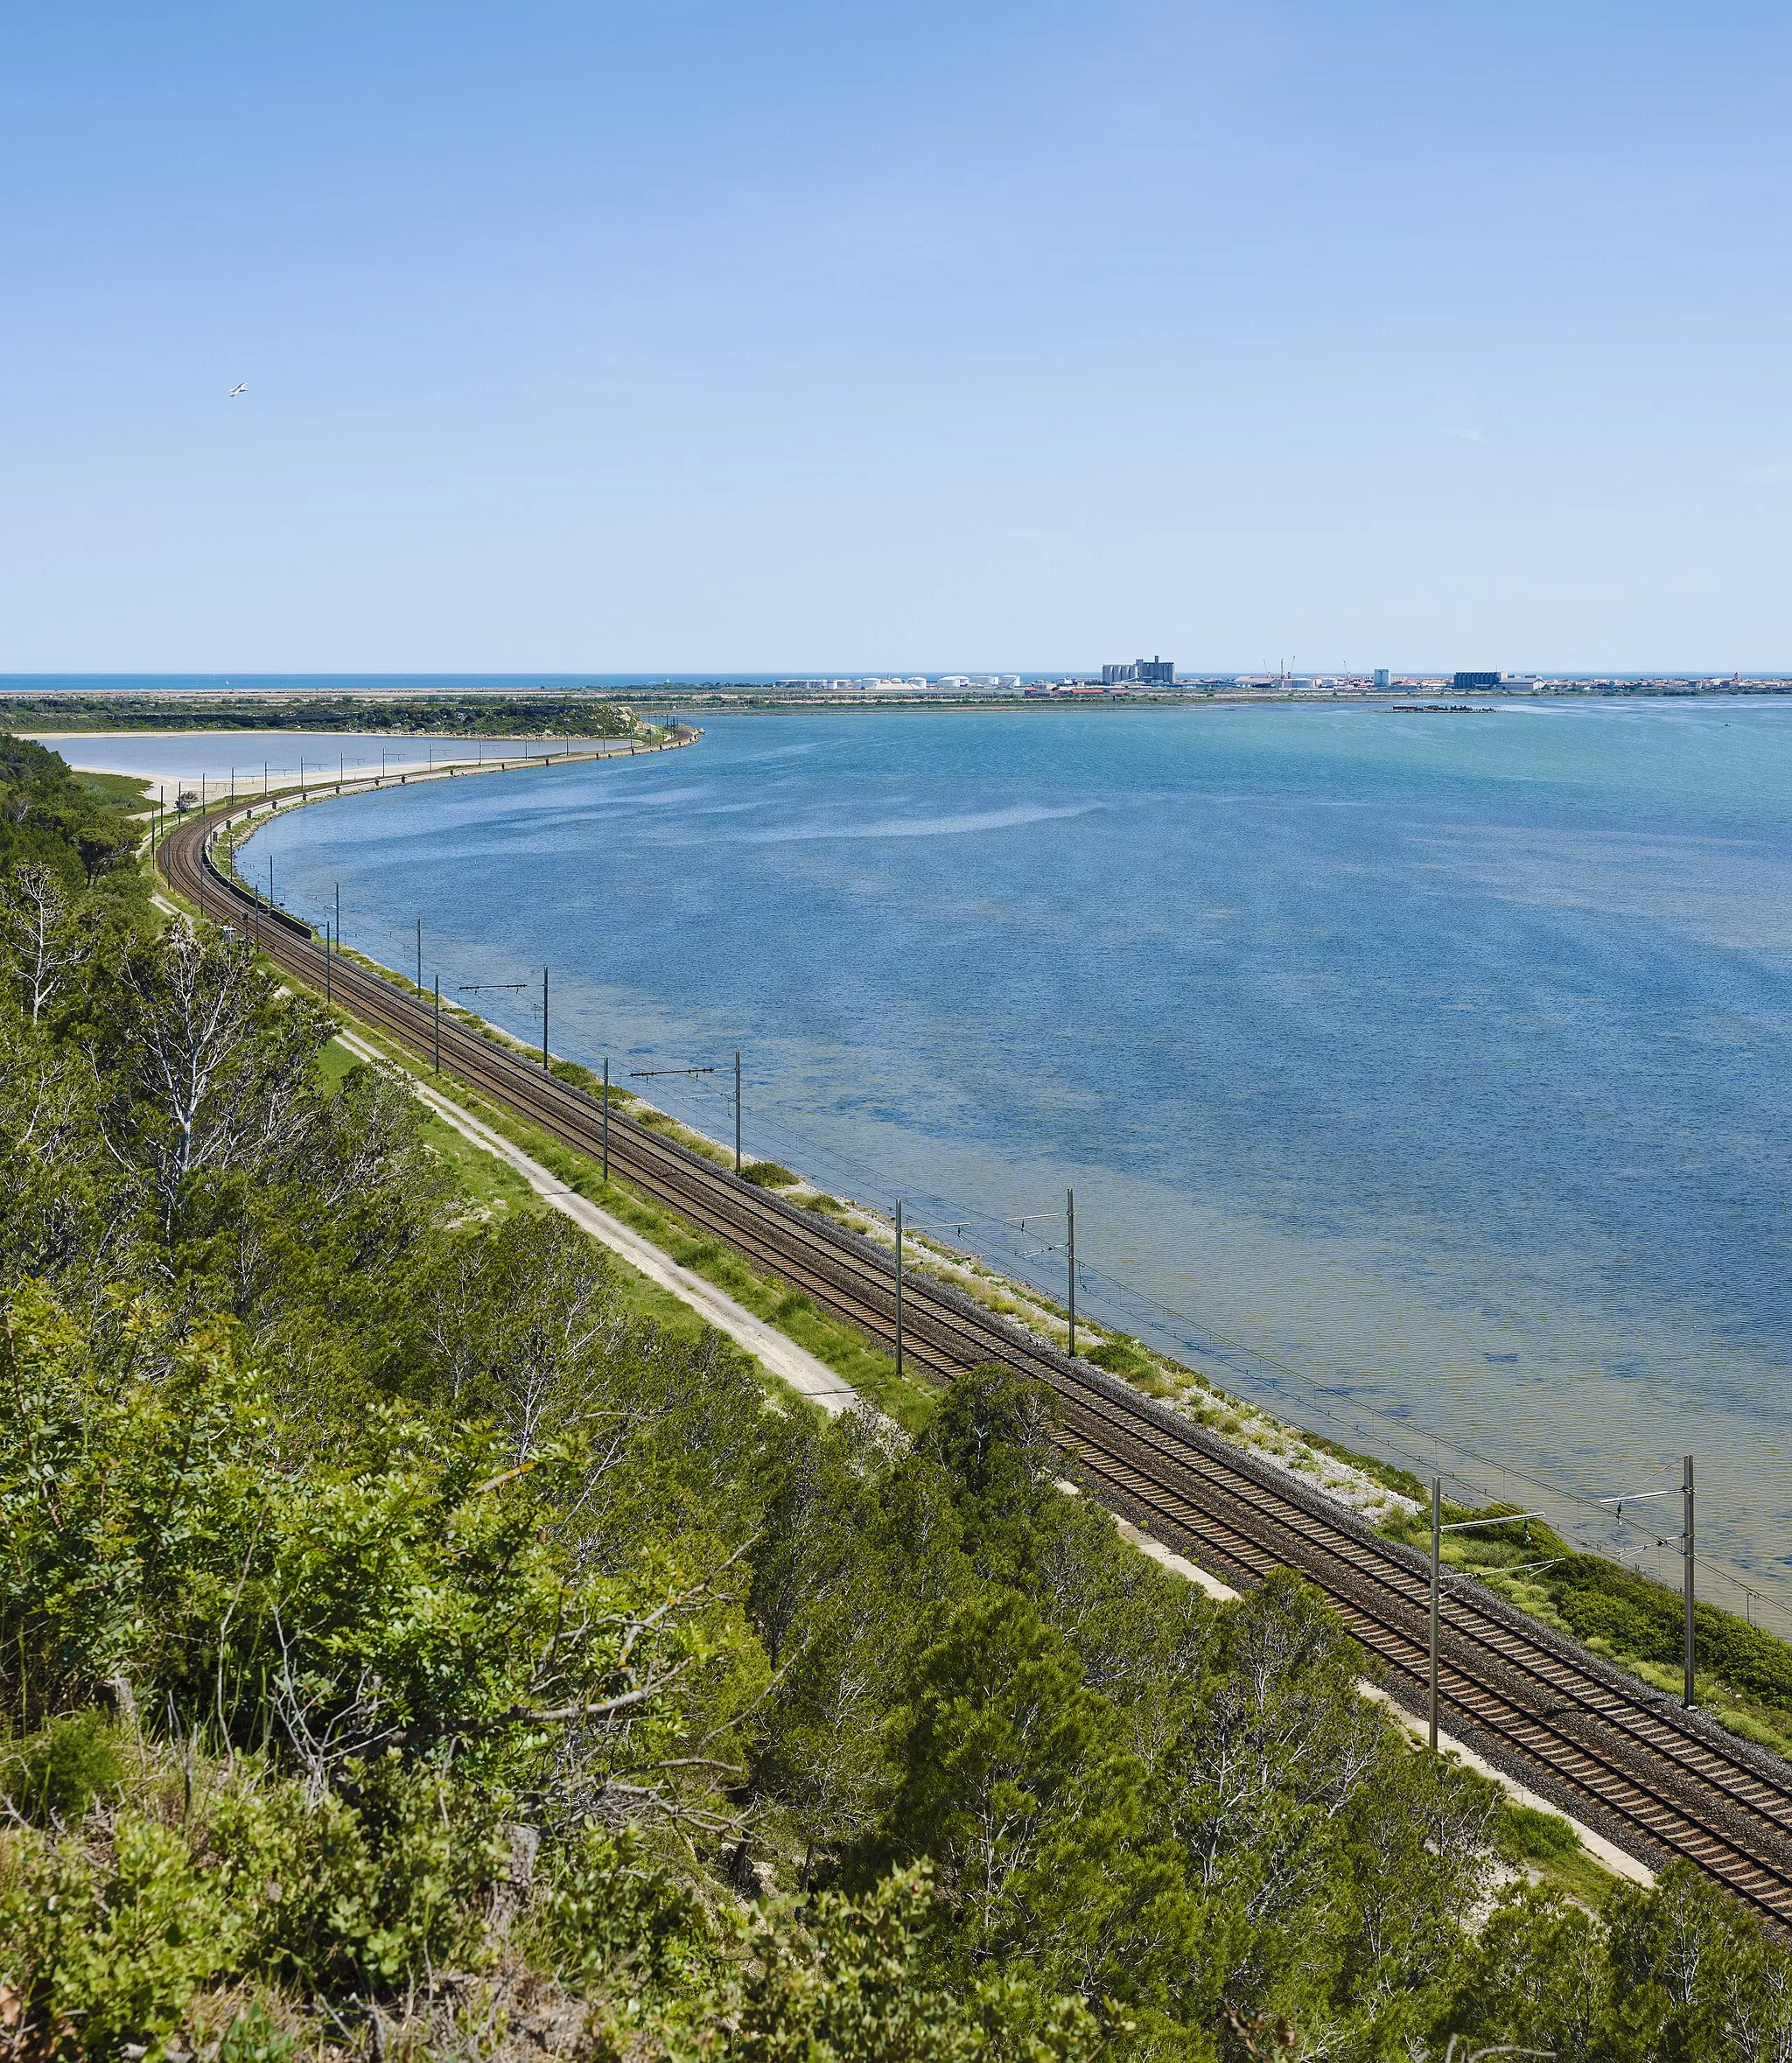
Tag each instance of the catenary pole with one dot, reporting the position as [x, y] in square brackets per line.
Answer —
[606, 1117]
[737, 1110]
[899, 1288]
[338, 916]
[1436, 1558]
[544, 1017]
[419, 955]
[1689, 1694]
[436, 1028]
[1070, 1224]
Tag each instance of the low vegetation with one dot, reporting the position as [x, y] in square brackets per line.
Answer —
[1744, 1674]
[76, 831]
[407, 1647]
[545, 714]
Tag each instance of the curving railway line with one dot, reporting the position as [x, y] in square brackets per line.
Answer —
[1661, 1783]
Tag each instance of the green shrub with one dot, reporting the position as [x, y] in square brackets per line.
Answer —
[111, 1939]
[570, 1071]
[769, 1175]
[55, 1775]
[1525, 1834]
[253, 2037]
[1121, 1360]
[1637, 1618]
[1625, 1625]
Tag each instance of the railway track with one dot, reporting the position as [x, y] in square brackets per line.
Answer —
[1661, 1783]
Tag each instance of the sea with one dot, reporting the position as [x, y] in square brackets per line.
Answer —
[1424, 1077]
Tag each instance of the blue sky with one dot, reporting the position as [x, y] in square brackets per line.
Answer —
[678, 335]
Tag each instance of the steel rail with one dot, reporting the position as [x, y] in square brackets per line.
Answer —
[1563, 1721]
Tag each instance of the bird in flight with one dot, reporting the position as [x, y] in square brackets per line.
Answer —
[241, 387]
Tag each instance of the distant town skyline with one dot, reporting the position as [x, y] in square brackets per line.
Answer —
[1292, 335]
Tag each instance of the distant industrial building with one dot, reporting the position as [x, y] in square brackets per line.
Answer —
[1380, 676]
[1513, 683]
[1147, 673]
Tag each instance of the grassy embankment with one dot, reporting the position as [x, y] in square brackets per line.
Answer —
[498, 1189]
[1744, 1674]
[121, 791]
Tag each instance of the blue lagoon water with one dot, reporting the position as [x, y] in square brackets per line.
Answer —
[1429, 1077]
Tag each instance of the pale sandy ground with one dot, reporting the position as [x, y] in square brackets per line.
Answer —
[319, 774]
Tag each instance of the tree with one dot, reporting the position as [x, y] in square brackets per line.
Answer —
[203, 1069]
[37, 935]
[1012, 1781]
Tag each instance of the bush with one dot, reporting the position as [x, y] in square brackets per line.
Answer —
[1120, 1361]
[589, 1079]
[1524, 1835]
[769, 1175]
[253, 2037]
[1637, 1618]
[57, 1774]
[1625, 1625]
[112, 1940]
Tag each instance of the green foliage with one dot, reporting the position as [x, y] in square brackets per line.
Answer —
[406, 1588]
[1524, 1835]
[1635, 1617]
[769, 1174]
[452, 1614]
[593, 1084]
[1121, 1360]
[50, 818]
[832, 1977]
[112, 1937]
[253, 2037]
[55, 1775]
[548, 715]
[1627, 1615]
[862, 1978]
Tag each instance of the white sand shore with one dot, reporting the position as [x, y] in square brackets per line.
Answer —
[319, 770]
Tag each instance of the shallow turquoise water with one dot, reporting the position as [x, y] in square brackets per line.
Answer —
[1438, 1061]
